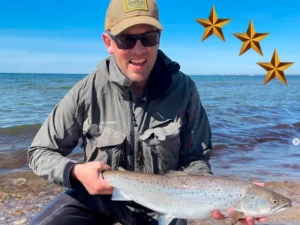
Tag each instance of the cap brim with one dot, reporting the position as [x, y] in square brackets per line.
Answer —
[131, 21]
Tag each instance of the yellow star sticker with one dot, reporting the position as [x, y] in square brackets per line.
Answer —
[251, 39]
[275, 68]
[213, 25]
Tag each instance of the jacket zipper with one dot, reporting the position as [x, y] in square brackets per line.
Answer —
[133, 123]
[155, 159]
[109, 157]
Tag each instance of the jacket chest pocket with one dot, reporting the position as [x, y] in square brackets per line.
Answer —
[109, 147]
[160, 149]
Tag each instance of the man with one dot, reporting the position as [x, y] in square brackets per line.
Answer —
[136, 110]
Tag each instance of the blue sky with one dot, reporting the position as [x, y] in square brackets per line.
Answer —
[65, 36]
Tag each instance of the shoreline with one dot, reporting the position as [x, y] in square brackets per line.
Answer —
[23, 195]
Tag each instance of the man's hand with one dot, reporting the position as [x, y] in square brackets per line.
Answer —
[247, 221]
[89, 174]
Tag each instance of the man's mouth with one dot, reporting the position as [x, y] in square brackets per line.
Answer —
[138, 62]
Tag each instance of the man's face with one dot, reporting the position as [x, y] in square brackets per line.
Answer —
[135, 63]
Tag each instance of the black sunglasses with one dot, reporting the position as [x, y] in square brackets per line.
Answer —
[128, 41]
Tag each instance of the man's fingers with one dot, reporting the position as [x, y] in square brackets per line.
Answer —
[248, 221]
[218, 216]
[105, 167]
[107, 192]
[260, 184]
[263, 219]
[243, 222]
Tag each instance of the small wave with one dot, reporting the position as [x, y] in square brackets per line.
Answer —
[290, 166]
[296, 125]
[283, 126]
[268, 139]
[286, 126]
[29, 85]
[65, 87]
[20, 130]
[241, 160]
[221, 147]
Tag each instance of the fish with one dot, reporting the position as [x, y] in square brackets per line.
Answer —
[178, 195]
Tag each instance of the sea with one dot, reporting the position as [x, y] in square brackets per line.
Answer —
[255, 126]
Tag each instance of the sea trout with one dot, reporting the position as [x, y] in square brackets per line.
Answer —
[183, 196]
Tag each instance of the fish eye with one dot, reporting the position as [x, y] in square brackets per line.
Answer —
[275, 201]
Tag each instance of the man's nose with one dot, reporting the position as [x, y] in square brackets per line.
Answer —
[139, 47]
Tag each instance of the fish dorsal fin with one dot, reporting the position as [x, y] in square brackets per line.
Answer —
[121, 168]
[164, 219]
[175, 173]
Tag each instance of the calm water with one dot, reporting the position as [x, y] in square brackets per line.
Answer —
[253, 124]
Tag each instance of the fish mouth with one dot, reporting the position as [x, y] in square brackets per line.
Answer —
[283, 207]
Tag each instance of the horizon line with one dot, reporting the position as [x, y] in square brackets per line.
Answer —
[64, 73]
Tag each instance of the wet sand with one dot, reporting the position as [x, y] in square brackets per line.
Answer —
[23, 195]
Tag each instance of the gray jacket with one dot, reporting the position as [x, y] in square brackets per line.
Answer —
[166, 129]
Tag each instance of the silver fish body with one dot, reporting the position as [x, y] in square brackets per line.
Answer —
[193, 196]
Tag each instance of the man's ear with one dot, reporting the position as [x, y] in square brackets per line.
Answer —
[108, 43]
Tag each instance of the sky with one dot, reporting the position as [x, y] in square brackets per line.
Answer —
[65, 36]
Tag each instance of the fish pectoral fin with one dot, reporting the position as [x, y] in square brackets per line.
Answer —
[175, 173]
[234, 217]
[238, 215]
[119, 196]
[164, 219]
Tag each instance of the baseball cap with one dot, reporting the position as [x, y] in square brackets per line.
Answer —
[122, 14]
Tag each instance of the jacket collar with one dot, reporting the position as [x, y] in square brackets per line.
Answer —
[160, 78]
[116, 76]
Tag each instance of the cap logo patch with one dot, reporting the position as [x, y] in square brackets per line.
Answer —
[130, 5]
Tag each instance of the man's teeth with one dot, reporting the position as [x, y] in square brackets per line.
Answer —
[138, 60]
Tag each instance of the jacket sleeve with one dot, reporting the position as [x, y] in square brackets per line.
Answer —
[56, 139]
[196, 143]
